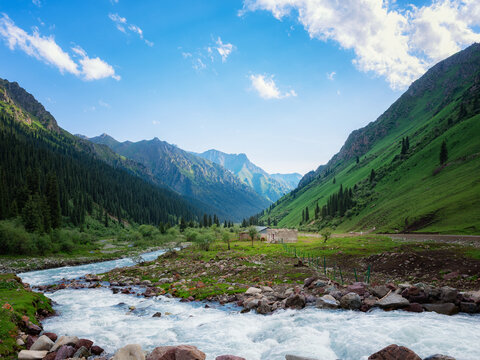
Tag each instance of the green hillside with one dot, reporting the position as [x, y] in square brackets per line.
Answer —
[412, 191]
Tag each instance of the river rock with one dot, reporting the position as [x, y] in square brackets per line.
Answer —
[394, 352]
[82, 352]
[473, 295]
[30, 341]
[468, 307]
[50, 356]
[439, 357]
[51, 336]
[42, 343]
[309, 281]
[188, 352]
[229, 357]
[33, 329]
[266, 288]
[65, 352]
[162, 353]
[64, 340]
[157, 314]
[295, 357]
[296, 301]
[327, 302]
[84, 342]
[263, 308]
[358, 288]
[32, 354]
[448, 294]
[253, 291]
[96, 350]
[414, 307]
[392, 301]
[351, 301]
[129, 352]
[445, 309]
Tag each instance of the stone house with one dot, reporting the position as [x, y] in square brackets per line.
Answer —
[273, 236]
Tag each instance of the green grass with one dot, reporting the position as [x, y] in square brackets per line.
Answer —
[16, 305]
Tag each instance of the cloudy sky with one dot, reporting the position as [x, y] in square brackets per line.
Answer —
[284, 81]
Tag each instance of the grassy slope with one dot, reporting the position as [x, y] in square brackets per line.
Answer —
[409, 190]
[16, 302]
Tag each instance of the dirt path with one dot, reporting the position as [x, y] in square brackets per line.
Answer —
[468, 240]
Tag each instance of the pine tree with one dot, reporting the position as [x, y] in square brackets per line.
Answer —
[32, 214]
[303, 216]
[307, 215]
[210, 222]
[53, 201]
[183, 225]
[358, 159]
[205, 220]
[443, 153]
[372, 176]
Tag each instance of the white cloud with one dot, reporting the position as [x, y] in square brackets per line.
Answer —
[398, 44]
[155, 122]
[103, 104]
[331, 75]
[123, 26]
[265, 86]
[37, 2]
[44, 48]
[224, 49]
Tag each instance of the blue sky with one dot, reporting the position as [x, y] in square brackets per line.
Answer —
[284, 81]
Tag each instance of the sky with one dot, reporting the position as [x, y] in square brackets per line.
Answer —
[284, 81]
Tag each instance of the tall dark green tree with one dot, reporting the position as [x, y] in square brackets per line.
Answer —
[53, 201]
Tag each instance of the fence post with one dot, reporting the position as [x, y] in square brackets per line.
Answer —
[341, 276]
[355, 272]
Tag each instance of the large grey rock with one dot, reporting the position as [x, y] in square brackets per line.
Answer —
[351, 301]
[42, 343]
[392, 301]
[64, 340]
[468, 307]
[229, 357]
[264, 308]
[130, 352]
[439, 357]
[295, 301]
[32, 354]
[445, 309]
[188, 352]
[448, 294]
[295, 357]
[253, 291]
[327, 302]
[394, 352]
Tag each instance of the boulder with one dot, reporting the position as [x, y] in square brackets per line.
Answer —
[51, 336]
[439, 357]
[414, 307]
[96, 350]
[162, 353]
[33, 329]
[295, 357]
[30, 341]
[392, 301]
[266, 288]
[253, 291]
[50, 356]
[263, 308]
[473, 295]
[468, 307]
[188, 352]
[82, 352]
[448, 294]
[358, 288]
[320, 283]
[129, 352]
[351, 301]
[157, 314]
[296, 301]
[229, 357]
[42, 343]
[64, 340]
[327, 302]
[84, 342]
[445, 309]
[65, 352]
[309, 281]
[394, 352]
[32, 354]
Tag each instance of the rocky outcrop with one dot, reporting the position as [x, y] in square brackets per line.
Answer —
[394, 352]
[130, 352]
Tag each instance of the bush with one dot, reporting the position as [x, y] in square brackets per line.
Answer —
[204, 241]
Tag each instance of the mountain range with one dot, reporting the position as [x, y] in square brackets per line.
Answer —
[389, 175]
[272, 187]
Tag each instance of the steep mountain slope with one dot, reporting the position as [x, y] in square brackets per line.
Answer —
[409, 190]
[191, 176]
[36, 152]
[272, 187]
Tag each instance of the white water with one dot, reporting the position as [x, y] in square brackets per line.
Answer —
[104, 317]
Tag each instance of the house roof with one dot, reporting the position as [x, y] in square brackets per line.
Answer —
[261, 228]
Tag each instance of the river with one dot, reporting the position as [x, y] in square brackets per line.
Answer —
[106, 319]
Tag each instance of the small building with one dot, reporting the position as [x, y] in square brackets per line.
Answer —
[273, 236]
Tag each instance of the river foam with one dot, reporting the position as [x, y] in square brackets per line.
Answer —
[105, 318]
